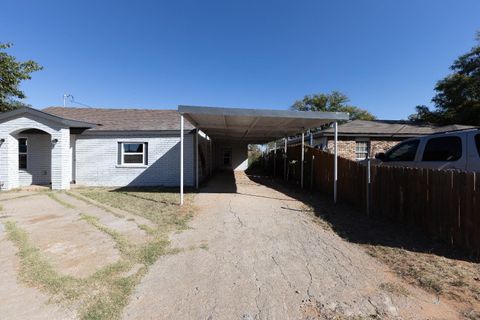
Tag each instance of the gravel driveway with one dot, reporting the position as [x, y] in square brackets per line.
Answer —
[254, 253]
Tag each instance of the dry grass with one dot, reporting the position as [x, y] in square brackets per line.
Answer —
[454, 279]
[420, 261]
[52, 195]
[395, 288]
[104, 294]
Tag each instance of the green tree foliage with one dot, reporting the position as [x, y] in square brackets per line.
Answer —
[12, 73]
[458, 94]
[331, 102]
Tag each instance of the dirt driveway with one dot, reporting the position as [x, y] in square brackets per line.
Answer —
[254, 253]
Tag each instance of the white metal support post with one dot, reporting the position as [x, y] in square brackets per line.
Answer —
[211, 157]
[181, 159]
[196, 159]
[302, 160]
[275, 160]
[335, 162]
[285, 161]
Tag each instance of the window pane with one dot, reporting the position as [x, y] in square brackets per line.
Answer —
[403, 152]
[22, 161]
[443, 149]
[133, 158]
[133, 147]
[22, 145]
[361, 149]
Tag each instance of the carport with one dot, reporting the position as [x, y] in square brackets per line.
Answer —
[252, 126]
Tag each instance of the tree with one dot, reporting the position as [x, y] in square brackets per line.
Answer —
[12, 73]
[457, 98]
[331, 102]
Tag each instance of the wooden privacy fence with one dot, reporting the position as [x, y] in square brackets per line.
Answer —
[442, 203]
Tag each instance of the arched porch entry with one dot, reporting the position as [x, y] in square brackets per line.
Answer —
[34, 157]
[35, 149]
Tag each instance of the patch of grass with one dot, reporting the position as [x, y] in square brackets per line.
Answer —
[121, 242]
[104, 294]
[451, 278]
[159, 207]
[36, 271]
[112, 291]
[395, 288]
[149, 230]
[86, 200]
[53, 196]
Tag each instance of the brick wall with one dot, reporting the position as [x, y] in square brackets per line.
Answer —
[346, 148]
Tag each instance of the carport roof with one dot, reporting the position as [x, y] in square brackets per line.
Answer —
[255, 125]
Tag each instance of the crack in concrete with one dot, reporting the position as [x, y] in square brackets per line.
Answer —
[281, 271]
[235, 214]
[259, 292]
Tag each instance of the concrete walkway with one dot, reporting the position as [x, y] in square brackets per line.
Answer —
[254, 253]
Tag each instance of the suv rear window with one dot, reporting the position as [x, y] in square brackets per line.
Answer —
[443, 149]
[403, 152]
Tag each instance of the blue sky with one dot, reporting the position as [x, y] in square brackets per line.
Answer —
[386, 55]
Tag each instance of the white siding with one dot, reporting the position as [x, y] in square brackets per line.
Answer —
[96, 162]
[38, 160]
[239, 156]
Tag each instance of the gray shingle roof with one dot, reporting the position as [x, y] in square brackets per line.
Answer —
[389, 128]
[123, 119]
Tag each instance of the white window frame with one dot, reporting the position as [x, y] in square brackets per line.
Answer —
[22, 153]
[365, 153]
[122, 150]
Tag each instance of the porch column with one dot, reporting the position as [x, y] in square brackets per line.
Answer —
[181, 159]
[8, 162]
[61, 159]
[335, 162]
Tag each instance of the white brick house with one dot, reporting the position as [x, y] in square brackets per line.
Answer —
[137, 147]
[97, 147]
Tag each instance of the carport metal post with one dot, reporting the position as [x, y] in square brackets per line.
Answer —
[275, 160]
[285, 161]
[335, 161]
[196, 158]
[302, 160]
[181, 159]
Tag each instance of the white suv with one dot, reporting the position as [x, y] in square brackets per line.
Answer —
[450, 150]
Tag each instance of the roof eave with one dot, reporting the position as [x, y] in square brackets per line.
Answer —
[66, 122]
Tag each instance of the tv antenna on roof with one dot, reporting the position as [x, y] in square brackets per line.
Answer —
[72, 100]
[65, 97]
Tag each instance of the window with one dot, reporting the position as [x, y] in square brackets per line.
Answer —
[477, 142]
[403, 152]
[133, 153]
[361, 149]
[227, 154]
[443, 149]
[22, 153]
